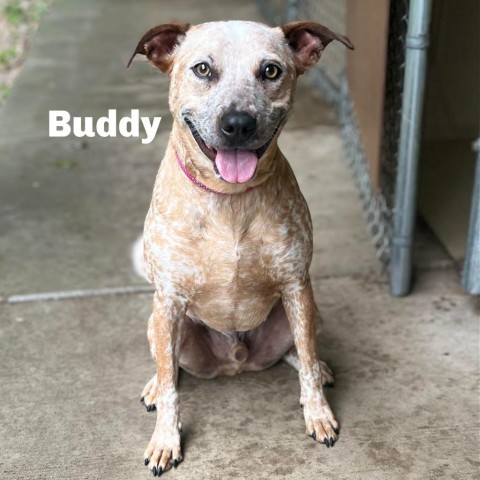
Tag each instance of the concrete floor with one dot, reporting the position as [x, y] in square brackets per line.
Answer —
[406, 369]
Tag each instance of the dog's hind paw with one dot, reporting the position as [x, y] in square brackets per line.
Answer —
[326, 374]
[149, 394]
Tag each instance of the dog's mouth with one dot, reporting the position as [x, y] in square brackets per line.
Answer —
[233, 166]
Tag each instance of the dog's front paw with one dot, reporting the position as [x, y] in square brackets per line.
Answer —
[164, 449]
[320, 421]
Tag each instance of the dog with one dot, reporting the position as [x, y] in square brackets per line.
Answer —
[228, 236]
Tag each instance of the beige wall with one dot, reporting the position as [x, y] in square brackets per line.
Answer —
[452, 94]
[451, 122]
[367, 27]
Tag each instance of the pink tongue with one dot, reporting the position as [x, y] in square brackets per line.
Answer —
[236, 166]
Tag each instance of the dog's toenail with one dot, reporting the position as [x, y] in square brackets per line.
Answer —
[146, 461]
[175, 463]
[159, 471]
[336, 430]
[142, 400]
[330, 385]
[314, 435]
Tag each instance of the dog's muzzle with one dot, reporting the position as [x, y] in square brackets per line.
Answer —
[235, 165]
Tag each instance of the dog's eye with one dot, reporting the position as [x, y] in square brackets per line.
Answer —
[202, 70]
[271, 72]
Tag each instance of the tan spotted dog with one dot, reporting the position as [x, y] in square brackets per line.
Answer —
[228, 237]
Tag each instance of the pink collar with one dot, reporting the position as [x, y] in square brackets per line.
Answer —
[202, 185]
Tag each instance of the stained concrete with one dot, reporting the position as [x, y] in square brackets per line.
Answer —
[406, 393]
[406, 370]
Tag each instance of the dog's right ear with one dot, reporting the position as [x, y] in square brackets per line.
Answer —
[158, 44]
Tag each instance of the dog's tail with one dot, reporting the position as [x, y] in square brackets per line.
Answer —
[138, 260]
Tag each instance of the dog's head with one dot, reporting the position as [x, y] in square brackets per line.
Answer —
[232, 86]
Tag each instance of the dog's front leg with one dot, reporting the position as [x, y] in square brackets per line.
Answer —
[300, 308]
[164, 448]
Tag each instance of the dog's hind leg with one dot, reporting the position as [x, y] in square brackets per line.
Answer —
[203, 353]
[149, 392]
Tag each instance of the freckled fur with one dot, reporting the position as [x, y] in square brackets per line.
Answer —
[230, 271]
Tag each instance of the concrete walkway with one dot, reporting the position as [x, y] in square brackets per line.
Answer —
[72, 370]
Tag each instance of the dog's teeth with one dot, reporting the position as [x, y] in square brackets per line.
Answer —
[217, 175]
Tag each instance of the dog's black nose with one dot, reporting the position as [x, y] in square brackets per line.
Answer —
[238, 127]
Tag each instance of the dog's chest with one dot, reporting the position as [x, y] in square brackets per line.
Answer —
[231, 266]
[235, 256]
[240, 278]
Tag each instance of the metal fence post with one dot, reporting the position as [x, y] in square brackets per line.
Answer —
[406, 181]
[471, 271]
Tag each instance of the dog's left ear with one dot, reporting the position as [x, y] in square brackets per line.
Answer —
[308, 40]
[158, 44]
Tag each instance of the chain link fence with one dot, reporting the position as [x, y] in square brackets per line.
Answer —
[330, 78]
